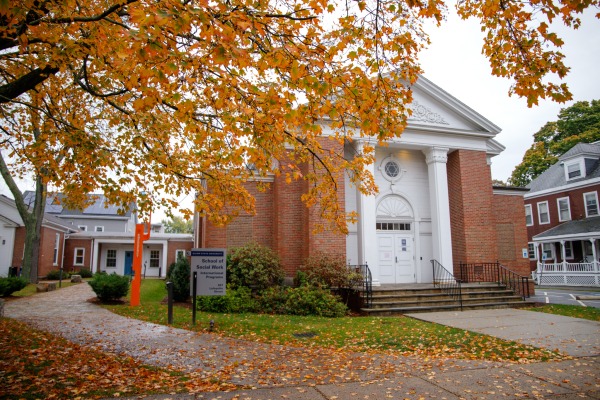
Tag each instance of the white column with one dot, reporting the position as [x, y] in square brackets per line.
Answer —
[594, 254]
[367, 234]
[95, 246]
[436, 158]
[563, 254]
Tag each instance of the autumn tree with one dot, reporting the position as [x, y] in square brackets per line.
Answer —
[145, 101]
[579, 123]
[178, 224]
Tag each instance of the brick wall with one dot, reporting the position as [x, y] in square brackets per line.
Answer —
[175, 245]
[471, 207]
[69, 261]
[511, 232]
[46, 258]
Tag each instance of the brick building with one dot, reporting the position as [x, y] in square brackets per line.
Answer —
[563, 219]
[435, 202]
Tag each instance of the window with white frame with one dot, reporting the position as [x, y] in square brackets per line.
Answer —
[528, 215]
[79, 257]
[99, 229]
[154, 258]
[82, 228]
[543, 214]
[569, 250]
[111, 258]
[56, 244]
[564, 209]
[179, 254]
[532, 251]
[547, 251]
[591, 204]
[573, 170]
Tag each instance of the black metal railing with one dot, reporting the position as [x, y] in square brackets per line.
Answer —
[363, 283]
[443, 279]
[494, 272]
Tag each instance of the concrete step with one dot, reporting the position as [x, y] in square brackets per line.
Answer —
[448, 307]
[445, 300]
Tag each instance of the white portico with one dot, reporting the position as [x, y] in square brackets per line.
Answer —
[408, 222]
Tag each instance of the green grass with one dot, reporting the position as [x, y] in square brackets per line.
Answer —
[30, 289]
[590, 313]
[400, 335]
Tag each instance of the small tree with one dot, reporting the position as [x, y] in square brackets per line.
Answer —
[109, 287]
[180, 276]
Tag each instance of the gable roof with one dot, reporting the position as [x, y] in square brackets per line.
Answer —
[98, 207]
[49, 221]
[554, 177]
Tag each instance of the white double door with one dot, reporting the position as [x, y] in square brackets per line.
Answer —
[396, 258]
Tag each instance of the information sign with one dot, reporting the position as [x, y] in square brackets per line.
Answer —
[210, 268]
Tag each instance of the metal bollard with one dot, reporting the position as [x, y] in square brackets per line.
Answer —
[170, 302]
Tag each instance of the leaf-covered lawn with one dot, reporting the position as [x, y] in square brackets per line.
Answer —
[400, 335]
[38, 365]
[590, 313]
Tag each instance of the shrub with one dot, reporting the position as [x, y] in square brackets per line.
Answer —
[10, 285]
[235, 301]
[307, 300]
[170, 270]
[254, 266]
[273, 300]
[85, 273]
[110, 287]
[327, 270]
[180, 276]
[54, 275]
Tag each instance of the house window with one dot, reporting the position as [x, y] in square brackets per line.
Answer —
[82, 228]
[569, 250]
[79, 256]
[154, 258]
[591, 204]
[532, 251]
[543, 215]
[111, 258]
[179, 254]
[56, 244]
[547, 251]
[564, 209]
[573, 171]
[99, 229]
[156, 229]
[528, 215]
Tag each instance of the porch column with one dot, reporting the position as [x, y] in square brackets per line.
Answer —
[436, 159]
[95, 250]
[594, 254]
[563, 255]
[367, 233]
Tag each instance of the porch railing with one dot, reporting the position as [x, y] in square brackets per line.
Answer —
[443, 279]
[567, 274]
[495, 272]
[365, 283]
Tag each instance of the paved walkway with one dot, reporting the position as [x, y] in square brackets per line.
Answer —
[283, 372]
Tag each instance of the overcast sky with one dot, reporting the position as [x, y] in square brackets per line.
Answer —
[455, 63]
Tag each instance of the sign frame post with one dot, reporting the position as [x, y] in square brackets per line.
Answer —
[208, 274]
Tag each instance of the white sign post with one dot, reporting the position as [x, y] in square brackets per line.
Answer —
[210, 268]
[208, 275]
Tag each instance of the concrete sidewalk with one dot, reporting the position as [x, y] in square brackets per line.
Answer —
[276, 372]
[573, 336]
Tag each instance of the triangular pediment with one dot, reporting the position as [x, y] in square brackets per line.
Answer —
[435, 109]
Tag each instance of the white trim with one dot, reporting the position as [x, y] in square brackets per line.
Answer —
[177, 251]
[586, 205]
[528, 206]
[85, 216]
[568, 208]
[535, 251]
[552, 251]
[575, 185]
[82, 263]
[570, 248]
[540, 214]
[115, 258]
[56, 250]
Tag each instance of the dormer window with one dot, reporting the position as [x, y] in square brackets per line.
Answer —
[574, 170]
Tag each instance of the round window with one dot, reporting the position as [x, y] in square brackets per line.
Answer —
[392, 169]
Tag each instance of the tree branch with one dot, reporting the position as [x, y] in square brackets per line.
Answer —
[14, 89]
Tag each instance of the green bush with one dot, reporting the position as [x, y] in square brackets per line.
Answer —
[235, 301]
[10, 285]
[327, 270]
[308, 300]
[170, 271]
[254, 266]
[54, 275]
[273, 300]
[85, 273]
[180, 276]
[110, 287]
